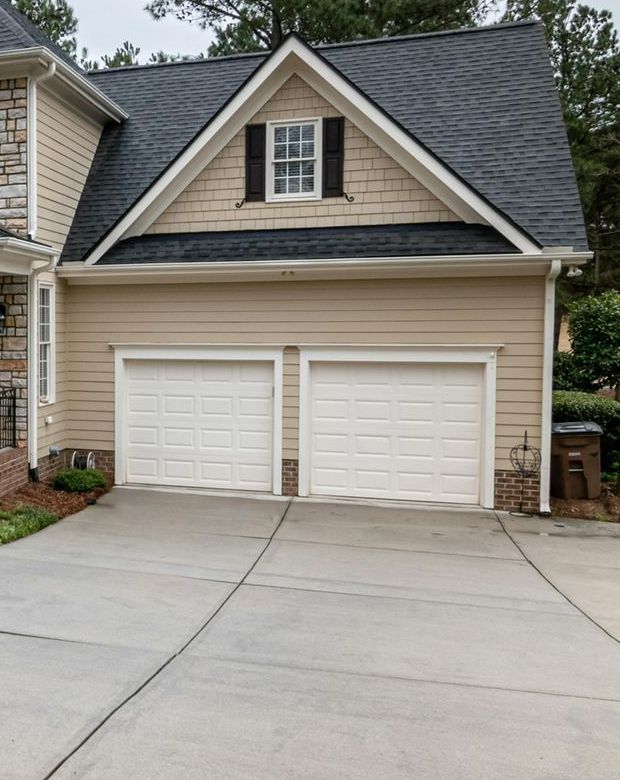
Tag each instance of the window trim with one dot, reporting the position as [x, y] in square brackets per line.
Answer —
[270, 195]
[50, 397]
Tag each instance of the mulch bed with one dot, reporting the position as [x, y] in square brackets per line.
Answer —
[605, 508]
[59, 502]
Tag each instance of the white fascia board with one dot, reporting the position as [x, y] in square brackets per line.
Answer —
[41, 56]
[292, 57]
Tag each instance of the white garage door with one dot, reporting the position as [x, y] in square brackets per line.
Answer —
[400, 431]
[200, 424]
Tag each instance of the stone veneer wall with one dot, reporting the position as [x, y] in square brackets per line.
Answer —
[13, 160]
[14, 348]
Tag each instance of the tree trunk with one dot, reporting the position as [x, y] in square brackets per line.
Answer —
[276, 29]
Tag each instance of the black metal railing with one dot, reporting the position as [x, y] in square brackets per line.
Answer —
[8, 417]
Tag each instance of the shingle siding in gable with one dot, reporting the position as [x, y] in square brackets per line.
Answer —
[384, 192]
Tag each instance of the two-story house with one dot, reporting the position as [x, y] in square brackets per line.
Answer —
[322, 271]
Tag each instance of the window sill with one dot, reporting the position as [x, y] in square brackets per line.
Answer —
[293, 199]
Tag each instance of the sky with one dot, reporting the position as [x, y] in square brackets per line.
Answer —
[105, 24]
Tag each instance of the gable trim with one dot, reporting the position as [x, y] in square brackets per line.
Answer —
[296, 57]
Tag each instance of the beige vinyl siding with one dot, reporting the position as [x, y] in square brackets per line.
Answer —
[505, 311]
[55, 434]
[383, 191]
[66, 145]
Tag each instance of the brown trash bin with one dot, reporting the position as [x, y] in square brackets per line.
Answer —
[576, 460]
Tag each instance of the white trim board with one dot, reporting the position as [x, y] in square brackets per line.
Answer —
[295, 57]
[485, 355]
[123, 353]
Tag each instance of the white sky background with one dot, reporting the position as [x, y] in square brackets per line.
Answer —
[105, 24]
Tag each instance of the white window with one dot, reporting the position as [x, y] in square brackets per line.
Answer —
[293, 155]
[46, 343]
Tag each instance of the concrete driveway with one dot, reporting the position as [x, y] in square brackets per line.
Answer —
[163, 635]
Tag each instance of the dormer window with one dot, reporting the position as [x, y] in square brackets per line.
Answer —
[294, 149]
[294, 160]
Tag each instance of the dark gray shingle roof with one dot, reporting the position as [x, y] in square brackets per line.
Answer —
[438, 238]
[482, 100]
[18, 32]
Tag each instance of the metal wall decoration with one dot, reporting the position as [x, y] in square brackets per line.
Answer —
[525, 460]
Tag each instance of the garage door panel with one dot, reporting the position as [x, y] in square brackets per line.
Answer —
[405, 431]
[200, 423]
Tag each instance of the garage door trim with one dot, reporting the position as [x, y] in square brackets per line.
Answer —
[482, 354]
[123, 353]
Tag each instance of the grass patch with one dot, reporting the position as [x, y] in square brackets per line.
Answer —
[23, 521]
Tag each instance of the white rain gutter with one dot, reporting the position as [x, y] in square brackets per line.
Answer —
[33, 365]
[547, 388]
[31, 149]
[81, 273]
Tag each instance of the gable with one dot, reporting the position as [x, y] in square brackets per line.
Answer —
[475, 109]
[383, 191]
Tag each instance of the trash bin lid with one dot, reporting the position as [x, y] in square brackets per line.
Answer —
[572, 428]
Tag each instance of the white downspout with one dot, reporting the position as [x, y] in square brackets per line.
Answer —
[547, 387]
[31, 148]
[33, 366]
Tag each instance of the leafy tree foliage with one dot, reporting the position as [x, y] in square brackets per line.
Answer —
[55, 18]
[252, 25]
[586, 58]
[594, 331]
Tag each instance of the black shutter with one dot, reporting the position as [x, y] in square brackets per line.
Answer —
[333, 157]
[255, 153]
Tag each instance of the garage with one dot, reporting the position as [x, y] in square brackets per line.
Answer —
[199, 423]
[394, 429]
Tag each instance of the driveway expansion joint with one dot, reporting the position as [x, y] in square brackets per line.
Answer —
[171, 658]
[553, 585]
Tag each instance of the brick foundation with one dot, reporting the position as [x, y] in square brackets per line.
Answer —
[508, 492]
[13, 470]
[51, 465]
[290, 477]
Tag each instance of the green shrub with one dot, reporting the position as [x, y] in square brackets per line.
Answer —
[79, 481]
[566, 373]
[579, 407]
[23, 521]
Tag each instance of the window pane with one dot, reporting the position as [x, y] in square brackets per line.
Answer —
[293, 185]
[307, 132]
[294, 151]
[307, 184]
[280, 186]
[294, 169]
[307, 169]
[294, 133]
[280, 135]
[307, 149]
[280, 169]
[280, 152]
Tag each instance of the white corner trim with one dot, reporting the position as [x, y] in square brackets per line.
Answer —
[294, 56]
[547, 387]
[125, 352]
[483, 354]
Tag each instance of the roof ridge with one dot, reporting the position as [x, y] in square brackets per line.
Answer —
[321, 46]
